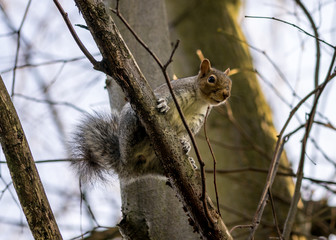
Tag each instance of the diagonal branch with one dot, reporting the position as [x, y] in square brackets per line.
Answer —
[23, 171]
[75, 36]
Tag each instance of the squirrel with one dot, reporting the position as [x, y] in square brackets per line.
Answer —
[119, 142]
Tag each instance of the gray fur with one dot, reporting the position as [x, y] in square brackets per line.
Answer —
[120, 143]
[96, 146]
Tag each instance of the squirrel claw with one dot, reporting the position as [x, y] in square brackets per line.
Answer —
[162, 105]
[193, 163]
[185, 145]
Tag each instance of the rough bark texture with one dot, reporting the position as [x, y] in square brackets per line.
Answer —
[119, 63]
[212, 27]
[150, 207]
[24, 174]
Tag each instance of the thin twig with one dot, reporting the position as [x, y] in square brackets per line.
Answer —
[33, 65]
[317, 42]
[278, 92]
[83, 198]
[213, 158]
[167, 79]
[240, 226]
[333, 162]
[18, 47]
[50, 160]
[50, 102]
[327, 125]
[225, 145]
[283, 21]
[269, 181]
[276, 223]
[260, 170]
[95, 64]
[241, 130]
[264, 53]
[7, 185]
[81, 207]
[93, 230]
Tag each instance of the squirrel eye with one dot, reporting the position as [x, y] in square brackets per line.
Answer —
[211, 79]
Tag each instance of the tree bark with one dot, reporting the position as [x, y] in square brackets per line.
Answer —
[119, 63]
[23, 171]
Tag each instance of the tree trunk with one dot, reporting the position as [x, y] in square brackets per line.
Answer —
[212, 27]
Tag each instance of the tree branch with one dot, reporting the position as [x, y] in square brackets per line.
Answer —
[317, 42]
[23, 171]
[213, 159]
[18, 44]
[75, 36]
[291, 24]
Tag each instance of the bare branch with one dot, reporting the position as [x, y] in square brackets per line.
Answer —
[317, 42]
[213, 158]
[18, 43]
[240, 227]
[274, 214]
[51, 102]
[283, 21]
[250, 140]
[33, 65]
[269, 181]
[75, 36]
[260, 170]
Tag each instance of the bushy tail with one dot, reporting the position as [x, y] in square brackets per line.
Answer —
[95, 146]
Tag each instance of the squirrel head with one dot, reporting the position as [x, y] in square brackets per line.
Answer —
[214, 86]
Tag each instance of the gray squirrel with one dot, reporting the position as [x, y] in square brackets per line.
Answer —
[119, 143]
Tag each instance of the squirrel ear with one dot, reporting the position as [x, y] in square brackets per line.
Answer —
[227, 72]
[205, 67]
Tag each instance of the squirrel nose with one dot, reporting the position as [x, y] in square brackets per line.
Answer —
[226, 95]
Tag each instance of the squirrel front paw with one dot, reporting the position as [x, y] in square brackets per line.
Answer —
[186, 149]
[193, 163]
[162, 106]
[185, 145]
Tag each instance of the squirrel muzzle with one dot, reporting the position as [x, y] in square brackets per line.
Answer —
[220, 96]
